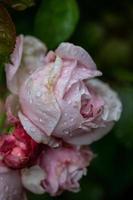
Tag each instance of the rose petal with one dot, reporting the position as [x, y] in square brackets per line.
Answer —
[28, 56]
[70, 51]
[70, 106]
[85, 138]
[37, 98]
[11, 69]
[32, 130]
[31, 179]
[10, 184]
[12, 108]
[112, 104]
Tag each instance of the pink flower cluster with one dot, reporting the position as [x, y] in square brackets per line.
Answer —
[56, 109]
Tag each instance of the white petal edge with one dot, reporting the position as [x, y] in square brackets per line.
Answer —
[71, 51]
[31, 179]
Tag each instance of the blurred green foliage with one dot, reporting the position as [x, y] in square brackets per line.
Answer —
[104, 29]
[55, 21]
[7, 35]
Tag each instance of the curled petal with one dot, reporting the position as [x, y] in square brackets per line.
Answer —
[10, 184]
[70, 106]
[12, 68]
[36, 134]
[12, 108]
[28, 55]
[33, 53]
[37, 98]
[100, 124]
[70, 51]
[32, 178]
[112, 103]
[57, 170]
[32, 130]
[82, 137]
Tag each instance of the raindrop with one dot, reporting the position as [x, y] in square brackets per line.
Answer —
[71, 119]
[66, 131]
[40, 120]
[56, 145]
[32, 130]
[38, 94]
[31, 101]
[65, 123]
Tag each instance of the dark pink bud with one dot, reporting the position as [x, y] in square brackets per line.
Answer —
[18, 149]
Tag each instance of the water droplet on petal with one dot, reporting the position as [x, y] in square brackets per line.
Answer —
[31, 101]
[40, 120]
[66, 131]
[38, 94]
[71, 119]
[32, 129]
[65, 123]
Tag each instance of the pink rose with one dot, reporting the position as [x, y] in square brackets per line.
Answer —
[55, 94]
[18, 149]
[10, 184]
[58, 170]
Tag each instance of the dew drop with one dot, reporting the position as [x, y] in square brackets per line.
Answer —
[65, 123]
[31, 101]
[38, 94]
[71, 119]
[66, 114]
[66, 131]
[32, 130]
[40, 120]
[56, 145]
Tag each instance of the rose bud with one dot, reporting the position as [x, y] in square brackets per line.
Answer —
[57, 170]
[10, 184]
[56, 97]
[18, 149]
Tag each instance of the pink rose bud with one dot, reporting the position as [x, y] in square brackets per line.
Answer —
[56, 95]
[10, 184]
[18, 150]
[57, 170]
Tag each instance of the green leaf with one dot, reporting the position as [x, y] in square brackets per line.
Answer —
[56, 21]
[20, 4]
[7, 35]
[124, 128]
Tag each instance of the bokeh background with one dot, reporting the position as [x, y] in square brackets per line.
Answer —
[105, 29]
